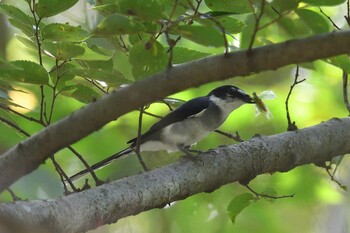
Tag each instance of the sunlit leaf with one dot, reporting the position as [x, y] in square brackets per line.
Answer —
[30, 72]
[63, 32]
[182, 55]
[107, 9]
[316, 22]
[324, 2]
[236, 6]
[147, 59]
[238, 204]
[62, 50]
[117, 24]
[48, 8]
[204, 35]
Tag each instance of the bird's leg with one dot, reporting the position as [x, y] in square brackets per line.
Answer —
[187, 151]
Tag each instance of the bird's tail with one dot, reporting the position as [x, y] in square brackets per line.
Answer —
[102, 163]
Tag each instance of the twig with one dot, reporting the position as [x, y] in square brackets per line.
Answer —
[37, 38]
[138, 140]
[347, 16]
[236, 137]
[9, 123]
[334, 179]
[261, 195]
[93, 174]
[345, 91]
[13, 195]
[280, 16]
[291, 125]
[329, 18]
[256, 27]
[63, 176]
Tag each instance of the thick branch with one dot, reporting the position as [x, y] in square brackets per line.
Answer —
[29, 154]
[105, 204]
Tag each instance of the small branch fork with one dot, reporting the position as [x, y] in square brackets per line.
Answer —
[262, 195]
[256, 27]
[291, 125]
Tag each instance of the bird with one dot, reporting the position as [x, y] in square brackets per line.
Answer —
[184, 126]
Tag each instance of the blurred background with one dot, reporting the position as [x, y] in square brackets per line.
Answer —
[319, 205]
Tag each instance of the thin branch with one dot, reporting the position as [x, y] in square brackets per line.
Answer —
[236, 137]
[347, 16]
[334, 179]
[13, 125]
[93, 174]
[256, 26]
[292, 125]
[14, 196]
[6, 108]
[329, 18]
[345, 90]
[138, 141]
[262, 195]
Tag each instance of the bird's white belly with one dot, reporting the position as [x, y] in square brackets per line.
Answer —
[184, 134]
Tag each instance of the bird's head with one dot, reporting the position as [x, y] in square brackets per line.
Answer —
[230, 94]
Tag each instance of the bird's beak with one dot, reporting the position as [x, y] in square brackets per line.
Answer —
[248, 99]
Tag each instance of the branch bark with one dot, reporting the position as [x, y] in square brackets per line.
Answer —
[29, 154]
[105, 204]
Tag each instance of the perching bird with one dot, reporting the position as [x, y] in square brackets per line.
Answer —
[186, 125]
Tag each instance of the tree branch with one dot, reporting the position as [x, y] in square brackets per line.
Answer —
[105, 204]
[30, 153]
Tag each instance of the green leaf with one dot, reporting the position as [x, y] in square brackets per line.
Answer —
[63, 32]
[342, 61]
[30, 72]
[117, 24]
[16, 14]
[84, 94]
[324, 2]
[182, 55]
[106, 65]
[62, 50]
[147, 59]
[204, 35]
[144, 9]
[25, 28]
[48, 8]
[234, 6]
[230, 25]
[107, 9]
[316, 22]
[238, 204]
[94, 53]
[111, 79]
[283, 5]
[27, 42]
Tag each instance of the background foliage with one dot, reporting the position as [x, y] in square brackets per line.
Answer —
[77, 51]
